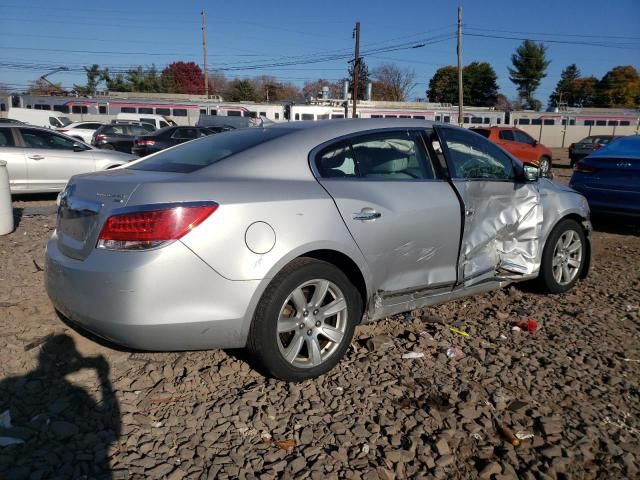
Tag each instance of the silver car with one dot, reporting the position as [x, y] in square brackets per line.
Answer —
[40, 160]
[283, 239]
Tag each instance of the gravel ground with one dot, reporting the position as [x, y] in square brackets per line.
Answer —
[84, 409]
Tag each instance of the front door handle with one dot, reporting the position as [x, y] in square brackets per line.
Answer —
[468, 212]
[36, 157]
[366, 214]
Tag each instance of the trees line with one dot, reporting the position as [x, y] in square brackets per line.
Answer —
[619, 87]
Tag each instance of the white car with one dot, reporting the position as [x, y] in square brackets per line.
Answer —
[80, 130]
[40, 160]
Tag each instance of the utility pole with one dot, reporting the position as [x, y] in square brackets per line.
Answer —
[204, 47]
[356, 67]
[460, 95]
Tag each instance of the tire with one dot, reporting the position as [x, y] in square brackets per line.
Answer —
[300, 331]
[545, 166]
[556, 257]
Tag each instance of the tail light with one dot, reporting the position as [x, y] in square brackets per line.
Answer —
[145, 229]
[99, 138]
[598, 146]
[61, 130]
[584, 168]
[144, 142]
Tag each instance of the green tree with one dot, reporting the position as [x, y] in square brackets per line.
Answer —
[584, 92]
[242, 91]
[566, 88]
[94, 77]
[363, 78]
[620, 87]
[529, 68]
[443, 86]
[479, 85]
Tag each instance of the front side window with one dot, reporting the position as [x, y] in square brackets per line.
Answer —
[507, 135]
[475, 158]
[523, 137]
[6, 139]
[42, 139]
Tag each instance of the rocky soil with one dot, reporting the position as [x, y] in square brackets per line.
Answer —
[81, 409]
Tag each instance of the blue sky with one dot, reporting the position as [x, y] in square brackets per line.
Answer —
[36, 34]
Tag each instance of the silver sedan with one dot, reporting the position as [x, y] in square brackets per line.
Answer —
[283, 239]
[40, 160]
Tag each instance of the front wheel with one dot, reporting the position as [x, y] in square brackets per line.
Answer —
[545, 166]
[564, 257]
[305, 320]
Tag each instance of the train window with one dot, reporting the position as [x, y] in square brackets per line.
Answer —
[277, 116]
[102, 109]
[250, 114]
[523, 121]
[447, 119]
[79, 109]
[536, 121]
[42, 106]
[419, 117]
[167, 111]
[37, 107]
[588, 123]
[29, 107]
[61, 108]
[297, 117]
[465, 120]
[390, 116]
[487, 120]
[498, 120]
[549, 121]
[213, 112]
[476, 120]
[127, 109]
[624, 123]
[341, 115]
[404, 116]
[438, 118]
[3, 107]
[234, 113]
[374, 116]
[263, 114]
[612, 123]
[145, 110]
[203, 111]
[601, 123]
[307, 116]
[324, 116]
[179, 112]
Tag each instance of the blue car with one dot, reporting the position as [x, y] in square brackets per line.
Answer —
[610, 177]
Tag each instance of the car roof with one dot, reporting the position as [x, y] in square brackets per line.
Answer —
[626, 147]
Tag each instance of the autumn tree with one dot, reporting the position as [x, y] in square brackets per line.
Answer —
[529, 68]
[42, 87]
[186, 76]
[392, 83]
[620, 87]
[443, 86]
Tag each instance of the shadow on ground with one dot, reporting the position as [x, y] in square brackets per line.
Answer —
[58, 429]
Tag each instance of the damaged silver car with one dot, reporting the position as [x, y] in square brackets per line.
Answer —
[283, 239]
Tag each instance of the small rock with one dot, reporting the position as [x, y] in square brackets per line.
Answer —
[445, 461]
[297, 465]
[443, 447]
[492, 468]
[552, 452]
[378, 343]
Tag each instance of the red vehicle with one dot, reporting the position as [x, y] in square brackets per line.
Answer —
[519, 144]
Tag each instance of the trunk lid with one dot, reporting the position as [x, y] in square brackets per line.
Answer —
[88, 200]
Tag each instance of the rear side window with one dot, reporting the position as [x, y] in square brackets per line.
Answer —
[337, 161]
[482, 131]
[6, 138]
[507, 135]
[199, 154]
[114, 130]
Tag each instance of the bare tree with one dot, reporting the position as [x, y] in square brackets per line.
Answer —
[392, 83]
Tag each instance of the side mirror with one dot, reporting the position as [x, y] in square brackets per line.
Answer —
[531, 173]
[78, 147]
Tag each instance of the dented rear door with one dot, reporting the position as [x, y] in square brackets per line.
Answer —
[400, 214]
[502, 217]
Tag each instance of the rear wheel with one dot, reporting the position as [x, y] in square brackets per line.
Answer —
[545, 166]
[564, 257]
[305, 320]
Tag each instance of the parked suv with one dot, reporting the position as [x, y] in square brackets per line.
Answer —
[519, 144]
[579, 150]
[119, 136]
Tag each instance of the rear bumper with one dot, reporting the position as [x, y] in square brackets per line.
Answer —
[608, 201]
[164, 299]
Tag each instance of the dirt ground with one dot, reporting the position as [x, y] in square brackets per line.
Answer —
[79, 409]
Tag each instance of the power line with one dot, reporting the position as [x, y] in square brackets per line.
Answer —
[555, 34]
[566, 42]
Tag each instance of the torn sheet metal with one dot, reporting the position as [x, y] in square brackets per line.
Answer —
[502, 231]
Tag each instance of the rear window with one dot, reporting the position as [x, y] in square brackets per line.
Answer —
[201, 153]
[483, 131]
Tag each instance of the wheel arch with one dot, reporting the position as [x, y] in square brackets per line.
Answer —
[586, 228]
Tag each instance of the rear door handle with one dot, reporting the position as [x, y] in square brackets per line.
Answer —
[366, 214]
[36, 157]
[468, 212]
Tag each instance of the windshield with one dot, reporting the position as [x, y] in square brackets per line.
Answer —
[65, 121]
[201, 153]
